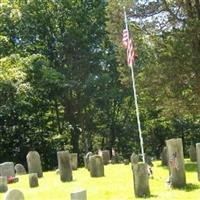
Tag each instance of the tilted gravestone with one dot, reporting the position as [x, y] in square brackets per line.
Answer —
[79, 195]
[164, 157]
[192, 153]
[86, 160]
[13, 194]
[198, 160]
[64, 165]
[176, 162]
[106, 157]
[96, 166]
[74, 161]
[33, 180]
[34, 163]
[141, 180]
[3, 184]
[19, 169]
[7, 169]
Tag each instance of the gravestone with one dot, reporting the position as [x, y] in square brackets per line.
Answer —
[86, 160]
[192, 153]
[64, 165]
[106, 157]
[33, 180]
[3, 184]
[126, 161]
[198, 160]
[57, 171]
[141, 180]
[176, 163]
[148, 160]
[34, 163]
[164, 157]
[13, 194]
[79, 195]
[134, 158]
[19, 169]
[74, 161]
[7, 169]
[96, 166]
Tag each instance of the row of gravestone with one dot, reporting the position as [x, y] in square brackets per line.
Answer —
[192, 154]
[14, 194]
[177, 175]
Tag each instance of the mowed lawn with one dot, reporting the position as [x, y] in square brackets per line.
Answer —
[116, 185]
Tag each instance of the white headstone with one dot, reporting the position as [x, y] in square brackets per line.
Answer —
[13, 194]
[20, 170]
[7, 169]
[79, 195]
[34, 163]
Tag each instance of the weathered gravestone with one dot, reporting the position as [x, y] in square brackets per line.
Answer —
[19, 169]
[33, 180]
[192, 153]
[148, 160]
[176, 163]
[74, 161]
[3, 184]
[7, 169]
[106, 157]
[96, 166]
[64, 165]
[34, 163]
[198, 160]
[134, 158]
[86, 160]
[164, 157]
[13, 194]
[79, 195]
[141, 180]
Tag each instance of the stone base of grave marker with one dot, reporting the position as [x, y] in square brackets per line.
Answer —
[141, 180]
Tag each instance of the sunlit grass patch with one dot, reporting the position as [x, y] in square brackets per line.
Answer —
[116, 185]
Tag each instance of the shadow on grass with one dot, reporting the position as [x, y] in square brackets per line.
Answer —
[190, 187]
[191, 167]
[148, 196]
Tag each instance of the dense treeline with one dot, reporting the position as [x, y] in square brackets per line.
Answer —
[64, 84]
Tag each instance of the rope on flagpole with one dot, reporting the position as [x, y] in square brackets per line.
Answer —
[135, 98]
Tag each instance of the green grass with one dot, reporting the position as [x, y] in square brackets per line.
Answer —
[116, 185]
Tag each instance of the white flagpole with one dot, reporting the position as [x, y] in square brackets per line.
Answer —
[135, 97]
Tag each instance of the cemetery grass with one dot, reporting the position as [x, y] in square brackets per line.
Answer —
[116, 185]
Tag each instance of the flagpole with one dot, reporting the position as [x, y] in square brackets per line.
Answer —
[135, 97]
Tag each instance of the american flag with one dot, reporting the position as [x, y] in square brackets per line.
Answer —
[127, 43]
